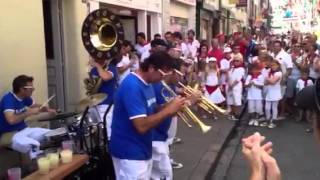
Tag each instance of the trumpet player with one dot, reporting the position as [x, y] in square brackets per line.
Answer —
[135, 117]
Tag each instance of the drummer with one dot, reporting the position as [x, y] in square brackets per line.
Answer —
[15, 107]
[108, 74]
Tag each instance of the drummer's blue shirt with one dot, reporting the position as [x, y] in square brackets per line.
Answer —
[10, 102]
[160, 133]
[107, 87]
[135, 98]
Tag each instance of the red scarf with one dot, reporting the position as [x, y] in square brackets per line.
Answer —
[255, 75]
[305, 82]
[211, 89]
[271, 73]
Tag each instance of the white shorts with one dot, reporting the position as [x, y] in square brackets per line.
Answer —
[255, 106]
[132, 169]
[234, 98]
[172, 130]
[23, 140]
[161, 165]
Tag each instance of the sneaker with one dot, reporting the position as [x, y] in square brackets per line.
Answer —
[251, 122]
[176, 165]
[176, 140]
[256, 123]
[233, 118]
[309, 130]
[281, 118]
[264, 124]
[272, 125]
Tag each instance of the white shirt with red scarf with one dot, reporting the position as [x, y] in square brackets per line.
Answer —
[303, 83]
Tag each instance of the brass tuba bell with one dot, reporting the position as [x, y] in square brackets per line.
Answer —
[102, 34]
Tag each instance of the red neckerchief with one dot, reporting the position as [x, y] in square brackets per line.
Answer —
[305, 82]
[311, 57]
[211, 89]
[255, 75]
[145, 43]
[201, 57]
[271, 73]
[237, 66]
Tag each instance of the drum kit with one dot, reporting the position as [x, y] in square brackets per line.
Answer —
[80, 126]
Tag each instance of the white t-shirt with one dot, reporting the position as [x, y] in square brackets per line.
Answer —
[255, 93]
[236, 74]
[273, 92]
[212, 79]
[284, 59]
[193, 48]
[125, 61]
[184, 49]
[144, 55]
[301, 84]
[224, 65]
[140, 49]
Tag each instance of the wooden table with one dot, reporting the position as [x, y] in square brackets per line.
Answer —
[62, 170]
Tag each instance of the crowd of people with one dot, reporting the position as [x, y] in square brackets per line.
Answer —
[261, 70]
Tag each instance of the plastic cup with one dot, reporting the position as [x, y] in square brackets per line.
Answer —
[14, 173]
[67, 145]
[43, 165]
[53, 159]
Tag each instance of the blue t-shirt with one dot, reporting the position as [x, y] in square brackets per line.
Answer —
[160, 133]
[134, 98]
[107, 87]
[10, 102]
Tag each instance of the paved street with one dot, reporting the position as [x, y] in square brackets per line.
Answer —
[198, 152]
[297, 153]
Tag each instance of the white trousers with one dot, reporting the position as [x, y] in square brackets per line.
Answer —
[161, 165]
[132, 169]
[172, 130]
[255, 106]
[23, 140]
[97, 113]
[271, 106]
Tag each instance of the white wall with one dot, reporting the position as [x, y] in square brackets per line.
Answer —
[22, 46]
[76, 57]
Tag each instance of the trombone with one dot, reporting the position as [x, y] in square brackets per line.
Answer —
[204, 103]
[185, 113]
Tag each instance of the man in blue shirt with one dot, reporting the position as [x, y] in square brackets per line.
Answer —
[161, 163]
[14, 108]
[134, 118]
[108, 74]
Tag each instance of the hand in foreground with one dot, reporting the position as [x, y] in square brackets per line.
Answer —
[262, 164]
[47, 109]
[32, 111]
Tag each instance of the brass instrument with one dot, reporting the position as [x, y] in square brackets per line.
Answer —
[102, 34]
[204, 103]
[185, 113]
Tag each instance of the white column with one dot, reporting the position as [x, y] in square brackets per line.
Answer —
[192, 18]
[142, 21]
[156, 24]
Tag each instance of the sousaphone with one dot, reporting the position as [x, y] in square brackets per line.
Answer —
[102, 34]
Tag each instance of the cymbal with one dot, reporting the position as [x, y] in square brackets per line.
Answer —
[91, 101]
[40, 116]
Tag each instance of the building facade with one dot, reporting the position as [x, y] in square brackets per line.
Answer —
[179, 15]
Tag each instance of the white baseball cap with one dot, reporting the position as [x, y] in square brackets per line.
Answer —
[211, 59]
[227, 50]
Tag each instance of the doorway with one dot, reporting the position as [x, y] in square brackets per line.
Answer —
[52, 15]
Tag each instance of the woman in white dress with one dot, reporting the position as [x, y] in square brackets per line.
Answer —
[212, 86]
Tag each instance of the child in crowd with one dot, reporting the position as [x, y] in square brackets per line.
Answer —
[212, 87]
[303, 82]
[273, 94]
[202, 59]
[225, 67]
[234, 86]
[254, 83]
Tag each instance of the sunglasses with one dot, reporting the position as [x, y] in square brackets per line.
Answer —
[28, 87]
[164, 73]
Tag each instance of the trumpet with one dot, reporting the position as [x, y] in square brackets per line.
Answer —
[185, 113]
[204, 103]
